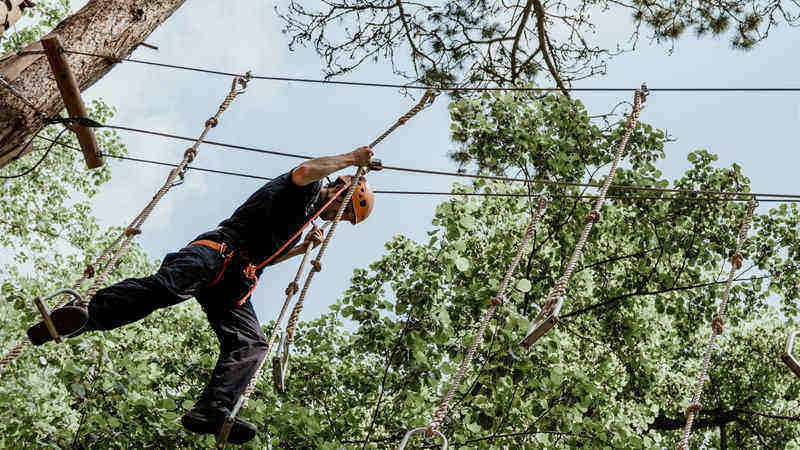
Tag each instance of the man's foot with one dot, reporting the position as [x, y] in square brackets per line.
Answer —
[207, 417]
[68, 320]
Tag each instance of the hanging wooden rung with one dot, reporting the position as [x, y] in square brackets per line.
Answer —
[280, 365]
[545, 320]
[48, 321]
[788, 357]
[71, 95]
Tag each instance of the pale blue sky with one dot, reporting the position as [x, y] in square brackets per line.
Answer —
[755, 130]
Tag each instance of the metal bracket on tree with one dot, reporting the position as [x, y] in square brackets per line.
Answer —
[788, 357]
[68, 87]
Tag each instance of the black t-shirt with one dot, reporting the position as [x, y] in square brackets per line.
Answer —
[271, 216]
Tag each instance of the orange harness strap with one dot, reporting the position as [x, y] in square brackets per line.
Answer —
[221, 248]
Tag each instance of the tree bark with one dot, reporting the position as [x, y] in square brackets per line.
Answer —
[11, 11]
[107, 27]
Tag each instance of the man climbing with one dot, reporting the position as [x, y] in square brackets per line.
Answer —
[218, 268]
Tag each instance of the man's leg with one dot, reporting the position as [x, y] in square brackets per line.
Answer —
[242, 348]
[181, 274]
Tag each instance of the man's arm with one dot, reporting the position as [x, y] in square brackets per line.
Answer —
[319, 168]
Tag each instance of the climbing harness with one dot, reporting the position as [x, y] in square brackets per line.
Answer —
[108, 259]
[788, 357]
[425, 100]
[495, 302]
[548, 314]
[717, 324]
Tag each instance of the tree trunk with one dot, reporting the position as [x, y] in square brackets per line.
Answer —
[107, 27]
[723, 438]
[11, 11]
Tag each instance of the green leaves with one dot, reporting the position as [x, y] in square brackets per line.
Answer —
[524, 285]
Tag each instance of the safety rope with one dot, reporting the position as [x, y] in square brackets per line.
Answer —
[497, 300]
[106, 261]
[316, 264]
[555, 299]
[291, 289]
[717, 324]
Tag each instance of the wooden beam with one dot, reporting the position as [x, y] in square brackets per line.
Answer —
[71, 95]
[11, 11]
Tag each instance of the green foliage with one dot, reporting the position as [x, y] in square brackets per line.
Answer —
[616, 372]
[505, 43]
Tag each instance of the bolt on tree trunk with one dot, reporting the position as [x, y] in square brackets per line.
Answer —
[106, 27]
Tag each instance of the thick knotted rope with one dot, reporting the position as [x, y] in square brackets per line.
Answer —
[108, 259]
[553, 302]
[497, 300]
[716, 327]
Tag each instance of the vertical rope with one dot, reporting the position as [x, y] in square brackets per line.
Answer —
[717, 325]
[291, 289]
[106, 261]
[560, 288]
[444, 405]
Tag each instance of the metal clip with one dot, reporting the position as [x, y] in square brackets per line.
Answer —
[424, 432]
[181, 178]
[375, 165]
[241, 81]
[545, 320]
[787, 356]
[280, 365]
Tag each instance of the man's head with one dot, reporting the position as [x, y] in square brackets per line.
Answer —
[360, 205]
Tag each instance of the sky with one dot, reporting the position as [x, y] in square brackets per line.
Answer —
[757, 131]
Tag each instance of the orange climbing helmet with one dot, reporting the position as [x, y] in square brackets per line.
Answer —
[362, 200]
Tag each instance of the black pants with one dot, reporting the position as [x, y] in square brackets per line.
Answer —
[183, 275]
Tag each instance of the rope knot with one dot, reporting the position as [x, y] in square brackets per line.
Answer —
[212, 122]
[693, 408]
[316, 265]
[497, 300]
[292, 288]
[736, 260]
[130, 231]
[89, 271]
[717, 324]
[190, 154]
[593, 216]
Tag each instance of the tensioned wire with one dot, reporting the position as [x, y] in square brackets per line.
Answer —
[466, 175]
[744, 197]
[425, 87]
